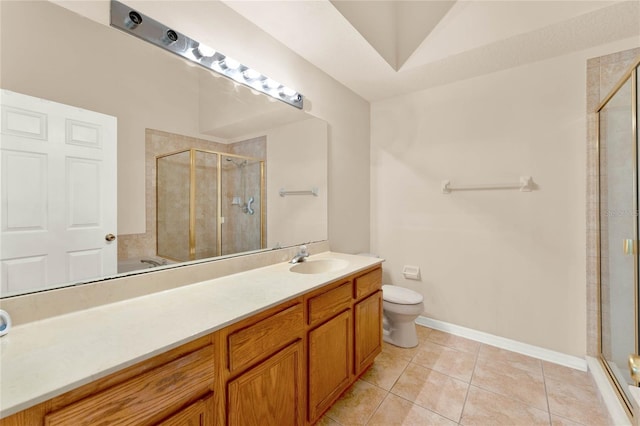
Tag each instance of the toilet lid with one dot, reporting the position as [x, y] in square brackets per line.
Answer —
[400, 295]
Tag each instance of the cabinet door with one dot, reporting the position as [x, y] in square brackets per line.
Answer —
[271, 393]
[197, 414]
[368, 331]
[329, 362]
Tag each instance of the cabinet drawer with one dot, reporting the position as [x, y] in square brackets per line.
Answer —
[326, 305]
[197, 414]
[260, 340]
[145, 399]
[368, 283]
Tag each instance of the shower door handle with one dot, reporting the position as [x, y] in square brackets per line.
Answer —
[634, 367]
[629, 247]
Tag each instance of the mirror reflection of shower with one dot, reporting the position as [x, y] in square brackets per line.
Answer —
[237, 200]
[206, 203]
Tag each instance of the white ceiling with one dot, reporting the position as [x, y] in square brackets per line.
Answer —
[383, 48]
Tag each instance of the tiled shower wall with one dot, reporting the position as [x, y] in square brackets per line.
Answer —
[603, 73]
[157, 143]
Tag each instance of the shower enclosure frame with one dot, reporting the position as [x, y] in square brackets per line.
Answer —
[632, 76]
[192, 197]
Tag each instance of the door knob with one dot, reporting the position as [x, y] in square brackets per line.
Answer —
[634, 367]
[109, 237]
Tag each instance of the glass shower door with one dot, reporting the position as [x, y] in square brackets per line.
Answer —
[242, 186]
[173, 177]
[618, 235]
[205, 204]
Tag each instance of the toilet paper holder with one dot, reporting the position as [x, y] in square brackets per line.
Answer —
[411, 272]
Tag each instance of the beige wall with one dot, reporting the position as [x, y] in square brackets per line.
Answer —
[503, 262]
[297, 218]
[346, 113]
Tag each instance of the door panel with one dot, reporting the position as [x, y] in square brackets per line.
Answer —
[24, 193]
[24, 273]
[58, 194]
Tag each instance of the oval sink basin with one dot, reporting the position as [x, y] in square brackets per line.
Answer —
[319, 266]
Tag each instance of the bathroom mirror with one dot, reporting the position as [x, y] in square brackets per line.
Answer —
[161, 104]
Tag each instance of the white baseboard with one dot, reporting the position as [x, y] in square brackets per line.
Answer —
[616, 411]
[504, 343]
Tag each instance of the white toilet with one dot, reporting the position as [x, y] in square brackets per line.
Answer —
[401, 306]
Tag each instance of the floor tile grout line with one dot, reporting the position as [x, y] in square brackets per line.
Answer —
[375, 410]
[546, 393]
[420, 342]
[422, 406]
[466, 397]
[388, 392]
[510, 396]
[426, 408]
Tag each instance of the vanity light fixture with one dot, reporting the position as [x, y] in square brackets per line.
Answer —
[133, 22]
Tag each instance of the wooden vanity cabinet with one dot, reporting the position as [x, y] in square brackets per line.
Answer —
[330, 347]
[284, 366]
[345, 336]
[263, 368]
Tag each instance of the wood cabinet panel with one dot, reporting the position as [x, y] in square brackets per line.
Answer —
[368, 283]
[330, 358]
[144, 399]
[326, 305]
[197, 414]
[368, 331]
[253, 343]
[271, 393]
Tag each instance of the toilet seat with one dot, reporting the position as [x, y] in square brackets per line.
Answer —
[400, 295]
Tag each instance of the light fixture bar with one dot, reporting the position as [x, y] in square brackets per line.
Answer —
[133, 22]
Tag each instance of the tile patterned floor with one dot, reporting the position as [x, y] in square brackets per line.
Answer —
[449, 380]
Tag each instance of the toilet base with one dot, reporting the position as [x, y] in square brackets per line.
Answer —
[403, 336]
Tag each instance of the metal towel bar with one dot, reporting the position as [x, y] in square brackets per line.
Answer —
[313, 191]
[525, 185]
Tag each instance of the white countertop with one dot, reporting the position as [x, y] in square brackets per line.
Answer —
[44, 359]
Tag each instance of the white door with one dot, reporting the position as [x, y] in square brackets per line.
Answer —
[58, 191]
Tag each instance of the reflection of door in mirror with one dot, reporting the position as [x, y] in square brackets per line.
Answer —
[50, 149]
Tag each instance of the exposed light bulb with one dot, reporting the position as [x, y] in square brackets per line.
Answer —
[251, 74]
[205, 50]
[271, 84]
[231, 63]
[287, 91]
